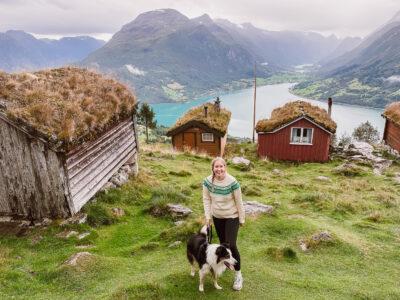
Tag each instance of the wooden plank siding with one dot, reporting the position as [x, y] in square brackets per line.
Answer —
[392, 135]
[190, 138]
[93, 164]
[276, 146]
[32, 182]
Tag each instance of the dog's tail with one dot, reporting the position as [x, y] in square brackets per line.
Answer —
[203, 230]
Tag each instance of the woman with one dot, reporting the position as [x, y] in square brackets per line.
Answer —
[222, 199]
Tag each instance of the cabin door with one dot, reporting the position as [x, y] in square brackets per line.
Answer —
[189, 140]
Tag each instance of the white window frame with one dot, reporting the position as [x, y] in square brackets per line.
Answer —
[205, 139]
[301, 136]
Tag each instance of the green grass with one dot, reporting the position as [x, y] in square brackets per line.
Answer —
[132, 259]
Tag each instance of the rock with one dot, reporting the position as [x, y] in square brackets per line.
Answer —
[47, 221]
[240, 161]
[255, 208]
[24, 224]
[175, 244]
[108, 186]
[360, 148]
[83, 235]
[277, 172]
[380, 167]
[323, 178]
[127, 169]
[5, 219]
[119, 178]
[79, 218]
[78, 258]
[179, 223]
[178, 211]
[322, 236]
[118, 212]
[303, 246]
[67, 234]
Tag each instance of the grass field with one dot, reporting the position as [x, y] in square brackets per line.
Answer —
[131, 258]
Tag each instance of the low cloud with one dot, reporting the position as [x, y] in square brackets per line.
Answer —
[58, 17]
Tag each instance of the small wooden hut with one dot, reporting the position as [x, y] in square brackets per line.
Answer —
[298, 131]
[391, 134]
[63, 134]
[203, 128]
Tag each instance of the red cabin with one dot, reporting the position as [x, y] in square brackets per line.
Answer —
[298, 131]
[202, 129]
[391, 135]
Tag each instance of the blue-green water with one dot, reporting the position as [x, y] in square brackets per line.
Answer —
[240, 103]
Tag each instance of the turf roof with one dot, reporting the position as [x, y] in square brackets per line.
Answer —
[392, 112]
[215, 120]
[66, 105]
[293, 110]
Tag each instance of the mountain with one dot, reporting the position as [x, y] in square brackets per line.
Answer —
[166, 56]
[284, 48]
[22, 51]
[368, 75]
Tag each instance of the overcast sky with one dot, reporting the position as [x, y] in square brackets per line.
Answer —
[102, 18]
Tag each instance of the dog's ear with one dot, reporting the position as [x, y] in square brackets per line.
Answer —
[226, 245]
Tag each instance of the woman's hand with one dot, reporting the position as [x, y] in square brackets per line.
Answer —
[208, 222]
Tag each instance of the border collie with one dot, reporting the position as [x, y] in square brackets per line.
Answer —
[212, 258]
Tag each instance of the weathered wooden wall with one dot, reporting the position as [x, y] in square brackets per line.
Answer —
[90, 166]
[191, 138]
[276, 146]
[392, 135]
[32, 179]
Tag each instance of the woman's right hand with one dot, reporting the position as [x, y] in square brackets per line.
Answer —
[208, 222]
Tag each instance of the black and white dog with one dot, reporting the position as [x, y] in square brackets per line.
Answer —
[214, 258]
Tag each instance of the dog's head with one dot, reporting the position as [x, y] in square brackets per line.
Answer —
[224, 255]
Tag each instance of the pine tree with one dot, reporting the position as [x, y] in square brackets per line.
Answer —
[146, 118]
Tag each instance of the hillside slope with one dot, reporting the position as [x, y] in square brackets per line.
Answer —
[131, 257]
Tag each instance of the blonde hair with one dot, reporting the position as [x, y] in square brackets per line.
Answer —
[218, 158]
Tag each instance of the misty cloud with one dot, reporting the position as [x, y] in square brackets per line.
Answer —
[57, 17]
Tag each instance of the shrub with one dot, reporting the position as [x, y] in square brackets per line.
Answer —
[161, 197]
[251, 190]
[349, 169]
[366, 133]
[344, 140]
[182, 232]
[285, 253]
[181, 173]
[375, 217]
[98, 214]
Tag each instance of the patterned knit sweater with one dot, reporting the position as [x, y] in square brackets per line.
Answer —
[223, 199]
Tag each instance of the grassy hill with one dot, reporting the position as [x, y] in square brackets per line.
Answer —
[131, 258]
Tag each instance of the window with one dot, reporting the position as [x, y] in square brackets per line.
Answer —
[207, 137]
[301, 136]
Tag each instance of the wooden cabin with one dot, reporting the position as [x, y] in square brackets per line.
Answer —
[203, 129]
[63, 134]
[391, 134]
[298, 131]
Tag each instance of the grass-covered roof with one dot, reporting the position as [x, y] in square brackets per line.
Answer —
[392, 112]
[215, 120]
[66, 105]
[293, 110]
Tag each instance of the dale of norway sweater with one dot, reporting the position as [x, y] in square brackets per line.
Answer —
[223, 199]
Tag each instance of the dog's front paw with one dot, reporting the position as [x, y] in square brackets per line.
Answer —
[201, 288]
[217, 286]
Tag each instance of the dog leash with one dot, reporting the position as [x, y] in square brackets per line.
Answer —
[209, 234]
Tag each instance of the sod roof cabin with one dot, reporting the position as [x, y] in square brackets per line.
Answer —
[391, 134]
[298, 131]
[203, 129]
[63, 134]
